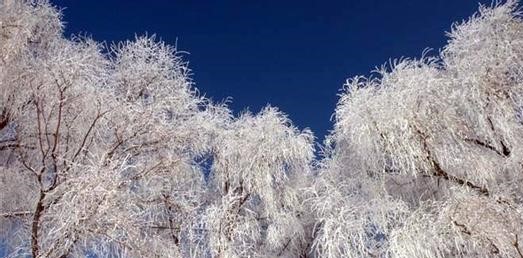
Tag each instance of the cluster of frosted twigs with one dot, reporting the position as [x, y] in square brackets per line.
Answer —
[109, 151]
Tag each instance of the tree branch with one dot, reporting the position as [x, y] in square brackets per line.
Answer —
[84, 140]
[35, 227]
[439, 172]
[4, 118]
[488, 146]
[516, 245]
[285, 247]
[15, 214]
[505, 149]
[463, 228]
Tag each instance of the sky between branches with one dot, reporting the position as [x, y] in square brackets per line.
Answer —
[290, 54]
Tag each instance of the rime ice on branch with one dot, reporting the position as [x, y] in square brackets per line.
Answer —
[102, 153]
[427, 156]
[111, 152]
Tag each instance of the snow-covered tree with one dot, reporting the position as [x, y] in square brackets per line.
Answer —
[101, 153]
[258, 168]
[111, 152]
[425, 159]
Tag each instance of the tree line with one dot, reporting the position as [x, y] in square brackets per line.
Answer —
[109, 151]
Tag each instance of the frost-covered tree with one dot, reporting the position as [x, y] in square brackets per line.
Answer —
[111, 152]
[426, 158]
[258, 169]
[103, 150]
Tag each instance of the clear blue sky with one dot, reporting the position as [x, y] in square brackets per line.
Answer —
[295, 55]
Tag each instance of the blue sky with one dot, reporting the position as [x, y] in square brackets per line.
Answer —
[295, 55]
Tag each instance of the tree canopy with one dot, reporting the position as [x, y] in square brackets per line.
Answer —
[109, 151]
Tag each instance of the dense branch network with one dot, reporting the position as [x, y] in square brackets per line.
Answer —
[111, 152]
